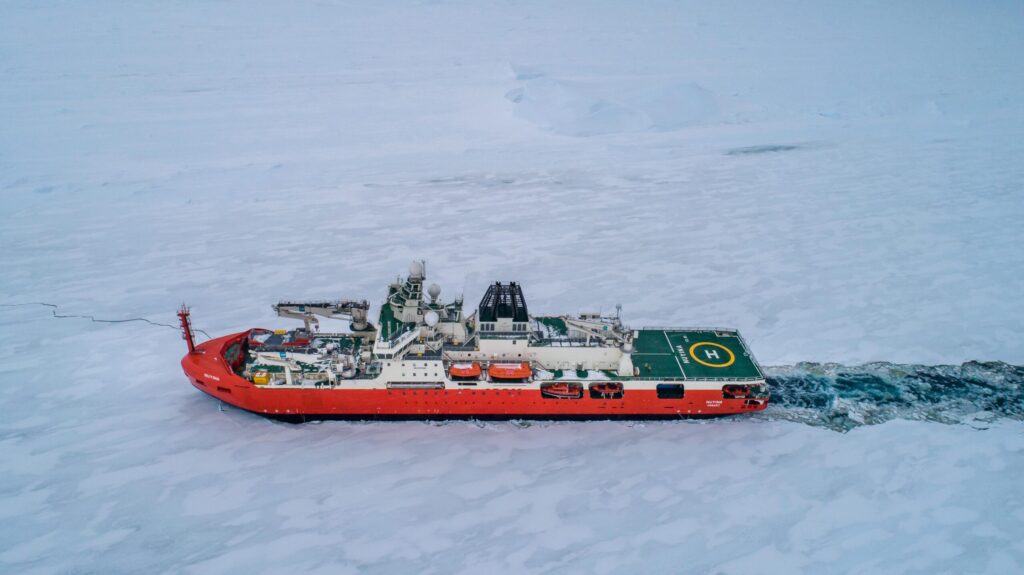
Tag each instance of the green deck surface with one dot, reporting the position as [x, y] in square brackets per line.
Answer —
[390, 326]
[692, 354]
[556, 324]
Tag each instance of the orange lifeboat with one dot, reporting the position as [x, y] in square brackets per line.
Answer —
[510, 370]
[465, 370]
[736, 391]
[610, 390]
[562, 390]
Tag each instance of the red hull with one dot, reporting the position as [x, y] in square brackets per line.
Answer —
[210, 373]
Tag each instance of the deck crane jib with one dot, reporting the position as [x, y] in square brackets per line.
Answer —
[353, 310]
[604, 328]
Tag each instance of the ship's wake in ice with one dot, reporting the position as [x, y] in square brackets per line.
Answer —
[842, 397]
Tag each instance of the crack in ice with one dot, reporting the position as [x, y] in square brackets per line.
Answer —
[94, 319]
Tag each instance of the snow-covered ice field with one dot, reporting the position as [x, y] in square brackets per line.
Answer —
[844, 182]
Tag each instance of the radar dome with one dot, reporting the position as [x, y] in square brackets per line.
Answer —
[431, 318]
[434, 290]
[416, 269]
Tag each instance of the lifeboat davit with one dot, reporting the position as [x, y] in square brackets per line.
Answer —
[562, 390]
[465, 370]
[510, 370]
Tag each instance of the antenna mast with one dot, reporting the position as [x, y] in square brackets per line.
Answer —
[186, 328]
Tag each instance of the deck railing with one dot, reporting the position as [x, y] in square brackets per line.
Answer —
[730, 330]
[503, 334]
[396, 343]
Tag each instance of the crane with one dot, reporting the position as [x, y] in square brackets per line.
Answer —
[605, 328]
[353, 310]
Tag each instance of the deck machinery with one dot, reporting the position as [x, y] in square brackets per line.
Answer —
[427, 358]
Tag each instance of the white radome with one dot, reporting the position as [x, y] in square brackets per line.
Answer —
[434, 291]
[416, 269]
[431, 318]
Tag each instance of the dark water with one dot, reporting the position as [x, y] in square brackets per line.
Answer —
[843, 397]
[763, 149]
